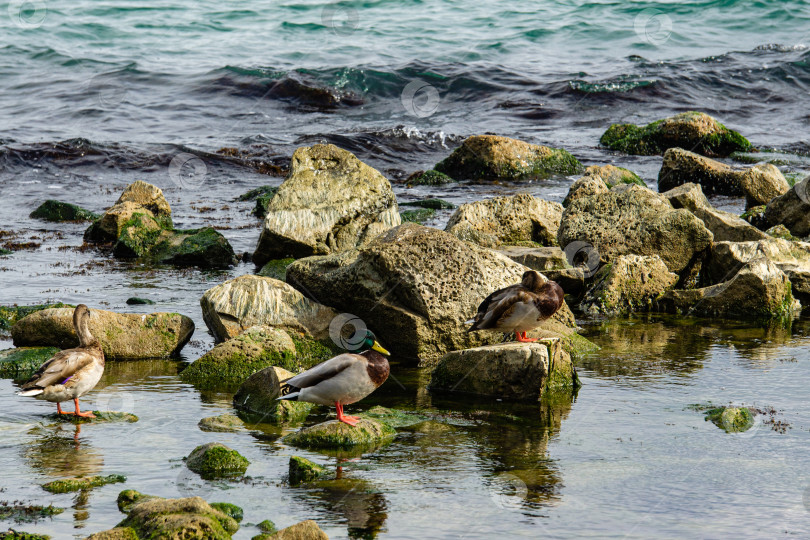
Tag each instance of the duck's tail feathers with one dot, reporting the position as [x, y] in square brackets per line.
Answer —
[31, 392]
[289, 392]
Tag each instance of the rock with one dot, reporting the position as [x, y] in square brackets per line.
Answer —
[432, 204]
[258, 397]
[492, 157]
[696, 131]
[109, 226]
[541, 259]
[731, 419]
[20, 513]
[231, 362]
[507, 220]
[129, 498]
[123, 336]
[725, 226]
[276, 269]
[396, 418]
[304, 470]
[780, 231]
[572, 280]
[759, 183]
[118, 533]
[52, 210]
[147, 196]
[231, 307]
[759, 291]
[266, 526]
[306, 530]
[24, 361]
[417, 216]
[224, 423]
[230, 510]
[726, 258]
[262, 195]
[135, 301]
[428, 178]
[515, 371]
[191, 519]
[756, 217]
[331, 201]
[792, 209]
[215, 460]
[631, 220]
[414, 287]
[630, 283]
[101, 417]
[613, 176]
[339, 435]
[82, 483]
[585, 187]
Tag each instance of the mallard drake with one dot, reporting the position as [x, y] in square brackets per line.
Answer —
[345, 379]
[519, 308]
[71, 373]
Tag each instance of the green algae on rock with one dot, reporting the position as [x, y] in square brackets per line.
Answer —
[82, 483]
[135, 301]
[428, 178]
[306, 530]
[52, 210]
[118, 533]
[130, 497]
[11, 314]
[396, 418]
[276, 269]
[101, 417]
[229, 509]
[26, 513]
[224, 423]
[339, 435]
[731, 419]
[22, 361]
[417, 216]
[191, 518]
[492, 157]
[215, 460]
[267, 527]
[304, 470]
[257, 397]
[21, 535]
[692, 130]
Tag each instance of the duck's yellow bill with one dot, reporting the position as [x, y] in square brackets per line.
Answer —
[380, 349]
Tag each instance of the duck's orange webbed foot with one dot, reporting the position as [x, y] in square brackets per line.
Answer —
[521, 337]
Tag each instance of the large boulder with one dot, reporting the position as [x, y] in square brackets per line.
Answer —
[507, 220]
[257, 397]
[759, 291]
[792, 209]
[237, 304]
[630, 219]
[414, 286]
[537, 258]
[518, 371]
[759, 184]
[725, 226]
[231, 362]
[694, 130]
[492, 157]
[191, 518]
[123, 336]
[630, 283]
[331, 201]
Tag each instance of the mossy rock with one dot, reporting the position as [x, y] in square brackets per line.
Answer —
[224, 423]
[255, 193]
[334, 435]
[756, 217]
[101, 417]
[205, 247]
[304, 470]
[11, 314]
[780, 231]
[731, 419]
[267, 526]
[434, 204]
[118, 533]
[27, 513]
[82, 483]
[135, 301]
[693, 131]
[429, 178]
[257, 398]
[24, 361]
[396, 418]
[417, 216]
[52, 210]
[189, 518]
[20, 535]
[215, 460]
[229, 509]
[276, 269]
[130, 497]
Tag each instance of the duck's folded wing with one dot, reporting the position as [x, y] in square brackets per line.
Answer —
[503, 308]
[324, 370]
[59, 368]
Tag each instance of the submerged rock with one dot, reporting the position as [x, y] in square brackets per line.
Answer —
[731, 419]
[306, 530]
[432, 204]
[428, 178]
[231, 510]
[541, 259]
[518, 371]
[331, 201]
[52, 210]
[129, 498]
[304, 470]
[414, 286]
[101, 417]
[215, 460]
[122, 335]
[118, 533]
[231, 362]
[694, 130]
[628, 284]
[135, 301]
[792, 209]
[759, 184]
[631, 220]
[258, 397]
[190, 519]
[339, 435]
[24, 361]
[417, 216]
[492, 157]
[507, 220]
[82, 483]
[231, 307]
[224, 423]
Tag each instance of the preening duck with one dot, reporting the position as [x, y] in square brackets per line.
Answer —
[519, 308]
[71, 373]
[342, 380]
